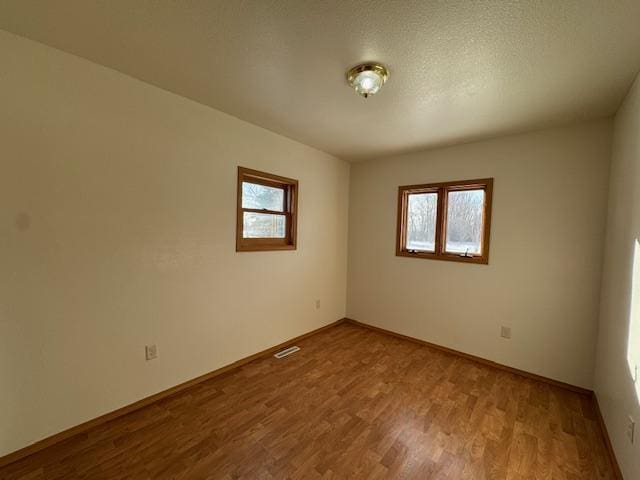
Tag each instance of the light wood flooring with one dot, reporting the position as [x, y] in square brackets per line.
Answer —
[353, 403]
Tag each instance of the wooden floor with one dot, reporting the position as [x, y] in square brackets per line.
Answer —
[352, 403]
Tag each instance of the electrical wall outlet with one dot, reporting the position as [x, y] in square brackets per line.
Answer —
[317, 304]
[151, 352]
[505, 332]
[631, 429]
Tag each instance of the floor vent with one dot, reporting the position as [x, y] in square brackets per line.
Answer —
[287, 351]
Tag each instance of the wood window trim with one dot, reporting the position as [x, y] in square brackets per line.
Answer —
[290, 211]
[443, 188]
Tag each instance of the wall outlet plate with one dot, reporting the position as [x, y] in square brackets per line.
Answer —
[151, 352]
[505, 332]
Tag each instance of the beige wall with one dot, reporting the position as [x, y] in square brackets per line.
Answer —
[619, 334]
[117, 209]
[543, 277]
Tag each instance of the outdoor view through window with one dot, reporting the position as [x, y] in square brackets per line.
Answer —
[464, 221]
[445, 221]
[421, 229]
[263, 225]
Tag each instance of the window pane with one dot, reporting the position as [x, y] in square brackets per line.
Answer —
[259, 196]
[421, 221]
[465, 222]
[263, 225]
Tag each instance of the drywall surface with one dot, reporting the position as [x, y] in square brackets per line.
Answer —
[117, 225]
[543, 277]
[460, 70]
[619, 334]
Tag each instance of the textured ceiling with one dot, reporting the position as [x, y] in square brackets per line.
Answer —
[460, 70]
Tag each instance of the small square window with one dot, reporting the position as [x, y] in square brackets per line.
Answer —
[445, 221]
[267, 211]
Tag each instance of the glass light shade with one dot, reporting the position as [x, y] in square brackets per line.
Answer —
[367, 79]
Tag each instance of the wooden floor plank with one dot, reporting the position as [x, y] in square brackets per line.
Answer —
[352, 403]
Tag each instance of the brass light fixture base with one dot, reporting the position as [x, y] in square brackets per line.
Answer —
[375, 76]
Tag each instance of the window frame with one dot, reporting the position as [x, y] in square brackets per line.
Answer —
[443, 189]
[290, 212]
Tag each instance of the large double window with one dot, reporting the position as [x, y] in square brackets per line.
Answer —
[267, 211]
[445, 221]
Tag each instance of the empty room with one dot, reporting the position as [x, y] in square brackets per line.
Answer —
[319, 239]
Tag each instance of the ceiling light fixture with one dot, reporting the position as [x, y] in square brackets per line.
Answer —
[367, 79]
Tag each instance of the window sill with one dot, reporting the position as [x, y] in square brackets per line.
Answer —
[263, 248]
[445, 256]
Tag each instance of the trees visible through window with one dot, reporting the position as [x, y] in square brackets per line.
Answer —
[421, 216]
[267, 212]
[445, 221]
[465, 221]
